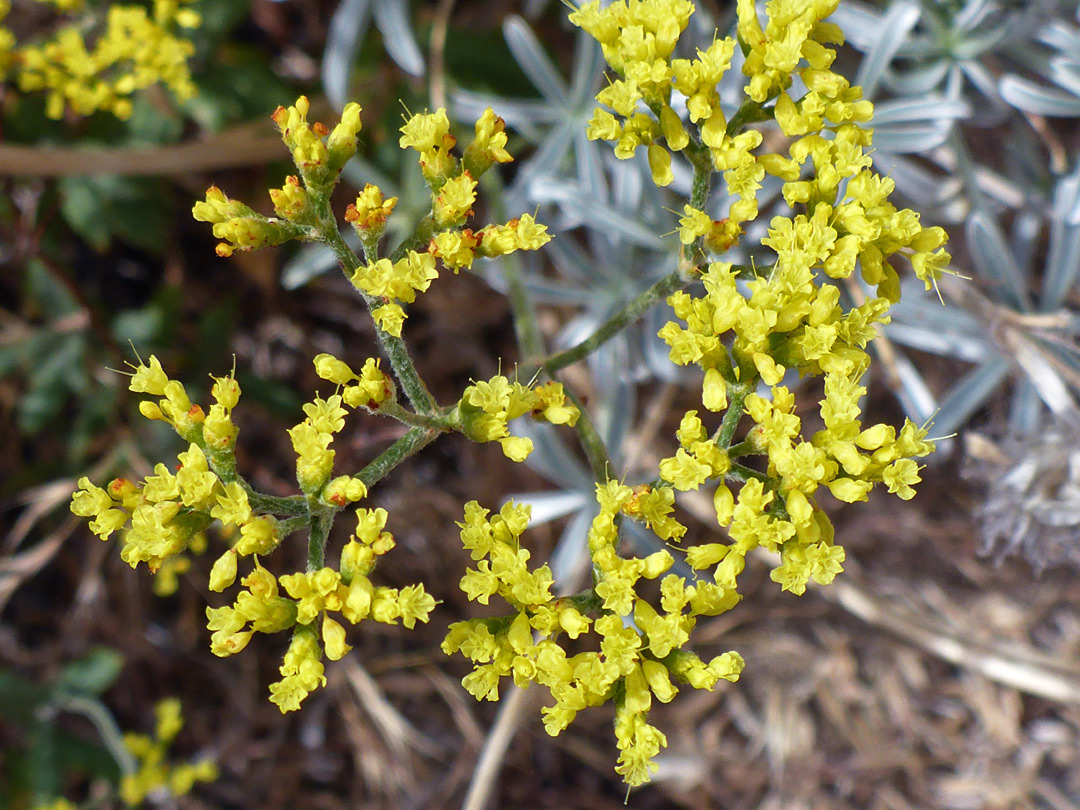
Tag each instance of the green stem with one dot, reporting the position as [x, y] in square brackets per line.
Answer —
[394, 347]
[293, 524]
[274, 505]
[441, 422]
[743, 448]
[408, 445]
[742, 474]
[619, 321]
[750, 112]
[701, 159]
[594, 447]
[420, 237]
[322, 518]
[736, 397]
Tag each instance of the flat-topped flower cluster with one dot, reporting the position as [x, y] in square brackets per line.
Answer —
[753, 331]
[98, 61]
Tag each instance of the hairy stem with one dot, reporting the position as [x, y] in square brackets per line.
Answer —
[421, 235]
[441, 422]
[736, 397]
[594, 447]
[619, 321]
[274, 505]
[408, 445]
[322, 518]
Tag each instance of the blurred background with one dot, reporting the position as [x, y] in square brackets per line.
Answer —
[942, 670]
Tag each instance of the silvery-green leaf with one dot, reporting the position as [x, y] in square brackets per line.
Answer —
[534, 61]
[613, 410]
[971, 14]
[549, 292]
[947, 344]
[550, 456]
[1024, 240]
[970, 394]
[1063, 262]
[591, 212]
[1033, 98]
[1026, 412]
[588, 68]
[915, 110]
[861, 23]
[995, 262]
[916, 398]
[1060, 36]
[570, 562]
[898, 20]
[549, 506]
[1042, 374]
[1066, 74]
[549, 157]
[522, 116]
[918, 80]
[909, 139]
[590, 166]
[392, 20]
[347, 29]
[974, 45]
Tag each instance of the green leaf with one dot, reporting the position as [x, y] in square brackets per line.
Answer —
[133, 209]
[20, 697]
[40, 766]
[58, 374]
[93, 673]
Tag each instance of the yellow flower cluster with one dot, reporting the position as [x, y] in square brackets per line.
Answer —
[453, 193]
[168, 511]
[262, 609]
[488, 406]
[88, 66]
[154, 772]
[640, 650]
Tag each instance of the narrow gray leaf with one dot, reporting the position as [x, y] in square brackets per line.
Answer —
[995, 262]
[530, 54]
[347, 29]
[970, 394]
[392, 20]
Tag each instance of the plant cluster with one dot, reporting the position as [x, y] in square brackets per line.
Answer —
[98, 59]
[751, 330]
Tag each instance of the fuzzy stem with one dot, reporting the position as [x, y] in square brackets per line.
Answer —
[322, 518]
[294, 524]
[408, 445]
[736, 396]
[420, 420]
[619, 321]
[594, 447]
[274, 505]
[421, 235]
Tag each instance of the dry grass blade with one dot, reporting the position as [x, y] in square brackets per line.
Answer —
[1021, 669]
[17, 569]
[495, 748]
[247, 145]
[39, 502]
[399, 734]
